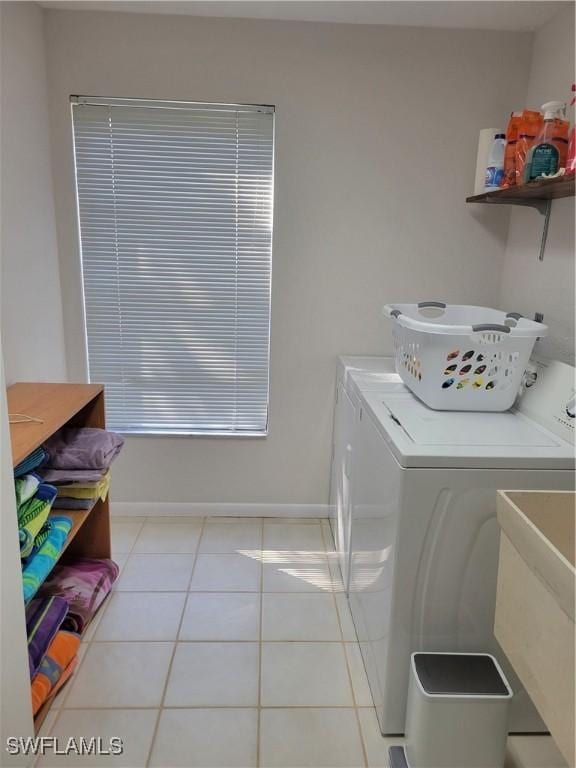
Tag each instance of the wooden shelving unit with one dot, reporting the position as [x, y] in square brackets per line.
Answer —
[59, 405]
[536, 194]
[56, 405]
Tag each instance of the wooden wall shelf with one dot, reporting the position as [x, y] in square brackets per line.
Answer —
[528, 194]
[59, 405]
[536, 194]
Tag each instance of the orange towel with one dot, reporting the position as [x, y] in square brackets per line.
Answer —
[56, 667]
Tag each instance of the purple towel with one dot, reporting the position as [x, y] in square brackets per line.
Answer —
[83, 583]
[44, 616]
[67, 476]
[83, 448]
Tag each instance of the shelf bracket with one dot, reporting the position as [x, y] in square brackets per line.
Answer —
[544, 207]
[546, 213]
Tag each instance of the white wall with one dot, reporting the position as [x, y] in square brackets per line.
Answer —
[15, 706]
[31, 320]
[32, 337]
[530, 286]
[377, 130]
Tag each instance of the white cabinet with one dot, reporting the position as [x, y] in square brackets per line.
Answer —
[344, 427]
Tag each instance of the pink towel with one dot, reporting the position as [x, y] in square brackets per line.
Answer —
[83, 583]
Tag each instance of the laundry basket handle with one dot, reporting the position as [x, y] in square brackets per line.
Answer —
[491, 327]
[437, 304]
[390, 311]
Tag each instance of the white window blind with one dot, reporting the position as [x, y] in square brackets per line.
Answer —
[175, 211]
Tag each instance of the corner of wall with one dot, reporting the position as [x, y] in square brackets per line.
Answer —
[528, 285]
[32, 324]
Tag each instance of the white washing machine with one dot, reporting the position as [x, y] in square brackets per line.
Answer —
[424, 538]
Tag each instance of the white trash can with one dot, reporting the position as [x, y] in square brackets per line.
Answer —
[457, 714]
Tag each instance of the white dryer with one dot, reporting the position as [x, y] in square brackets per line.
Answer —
[354, 375]
[424, 533]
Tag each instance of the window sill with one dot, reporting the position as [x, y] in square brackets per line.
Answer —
[218, 435]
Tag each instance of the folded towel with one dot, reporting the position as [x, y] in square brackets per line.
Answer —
[36, 567]
[83, 448]
[30, 462]
[84, 583]
[90, 491]
[55, 668]
[26, 486]
[43, 619]
[32, 515]
[43, 535]
[64, 503]
[66, 476]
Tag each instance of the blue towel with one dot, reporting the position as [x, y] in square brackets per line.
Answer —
[36, 567]
[30, 462]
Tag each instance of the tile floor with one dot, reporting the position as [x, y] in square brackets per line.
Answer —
[228, 643]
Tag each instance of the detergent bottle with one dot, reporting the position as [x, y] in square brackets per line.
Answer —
[548, 153]
[495, 167]
[571, 159]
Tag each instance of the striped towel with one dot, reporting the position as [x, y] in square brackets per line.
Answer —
[26, 486]
[44, 615]
[37, 567]
[32, 515]
[30, 462]
[56, 667]
[43, 535]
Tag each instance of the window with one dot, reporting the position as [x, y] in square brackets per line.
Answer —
[175, 212]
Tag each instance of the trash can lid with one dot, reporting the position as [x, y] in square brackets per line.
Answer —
[464, 674]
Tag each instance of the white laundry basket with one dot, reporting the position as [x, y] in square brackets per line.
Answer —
[462, 358]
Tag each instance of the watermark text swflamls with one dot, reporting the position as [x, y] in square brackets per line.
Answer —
[43, 745]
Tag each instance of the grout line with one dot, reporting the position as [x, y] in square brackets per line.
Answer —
[142, 524]
[230, 706]
[222, 642]
[165, 688]
[319, 591]
[217, 519]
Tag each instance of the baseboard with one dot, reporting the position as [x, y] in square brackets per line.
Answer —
[198, 509]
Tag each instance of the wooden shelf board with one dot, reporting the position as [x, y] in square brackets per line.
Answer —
[55, 404]
[543, 189]
[78, 517]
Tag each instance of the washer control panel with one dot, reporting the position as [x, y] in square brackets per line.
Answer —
[549, 396]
